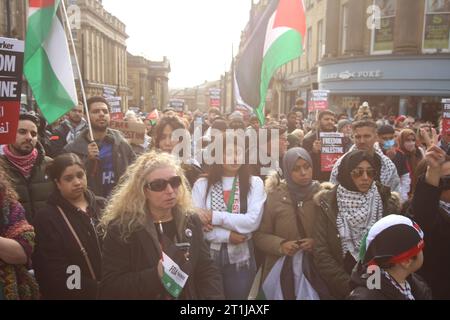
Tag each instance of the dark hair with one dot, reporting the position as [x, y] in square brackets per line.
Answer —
[365, 123]
[236, 124]
[56, 168]
[30, 116]
[292, 113]
[215, 110]
[326, 113]
[215, 173]
[173, 121]
[96, 99]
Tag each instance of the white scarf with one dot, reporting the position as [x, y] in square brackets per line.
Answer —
[237, 254]
[357, 213]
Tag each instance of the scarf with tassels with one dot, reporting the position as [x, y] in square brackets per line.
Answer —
[24, 163]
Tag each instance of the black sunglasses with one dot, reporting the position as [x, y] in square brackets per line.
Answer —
[359, 172]
[159, 185]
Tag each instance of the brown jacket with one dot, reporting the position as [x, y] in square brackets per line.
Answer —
[279, 221]
[328, 250]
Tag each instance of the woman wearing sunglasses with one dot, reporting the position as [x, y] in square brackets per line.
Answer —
[346, 213]
[147, 222]
[230, 204]
[430, 208]
[66, 225]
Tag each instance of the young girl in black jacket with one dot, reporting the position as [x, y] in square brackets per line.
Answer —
[64, 229]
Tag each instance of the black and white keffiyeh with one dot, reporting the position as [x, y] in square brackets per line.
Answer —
[406, 290]
[388, 173]
[357, 213]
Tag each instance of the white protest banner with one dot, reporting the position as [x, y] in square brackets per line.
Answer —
[332, 149]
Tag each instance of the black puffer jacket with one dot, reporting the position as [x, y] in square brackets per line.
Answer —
[387, 291]
[435, 224]
[34, 191]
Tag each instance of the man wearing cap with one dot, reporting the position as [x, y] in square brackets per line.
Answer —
[392, 251]
[25, 161]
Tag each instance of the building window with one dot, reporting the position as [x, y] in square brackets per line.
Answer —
[436, 35]
[344, 27]
[383, 34]
[320, 45]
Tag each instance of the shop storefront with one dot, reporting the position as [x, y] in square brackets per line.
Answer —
[409, 85]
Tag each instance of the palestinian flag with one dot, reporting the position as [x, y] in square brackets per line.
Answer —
[47, 66]
[277, 39]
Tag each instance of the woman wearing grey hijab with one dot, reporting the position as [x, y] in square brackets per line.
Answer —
[288, 220]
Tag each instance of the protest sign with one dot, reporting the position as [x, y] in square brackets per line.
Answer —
[332, 149]
[133, 132]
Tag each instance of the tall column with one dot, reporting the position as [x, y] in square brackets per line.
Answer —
[356, 27]
[408, 26]
[332, 29]
[403, 106]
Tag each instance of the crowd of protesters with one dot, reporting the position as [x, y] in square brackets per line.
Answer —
[102, 218]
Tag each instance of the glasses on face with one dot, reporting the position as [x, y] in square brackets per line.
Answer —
[160, 185]
[359, 172]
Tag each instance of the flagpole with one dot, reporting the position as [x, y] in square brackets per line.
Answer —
[83, 93]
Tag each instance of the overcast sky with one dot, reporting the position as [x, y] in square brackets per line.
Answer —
[196, 35]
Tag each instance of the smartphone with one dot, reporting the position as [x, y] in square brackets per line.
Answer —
[183, 246]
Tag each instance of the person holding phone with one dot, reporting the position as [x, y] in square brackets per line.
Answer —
[345, 215]
[289, 213]
[149, 220]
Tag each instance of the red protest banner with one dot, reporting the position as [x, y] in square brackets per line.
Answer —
[9, 121]
[446, 116]
[319, 100]
[11, 65]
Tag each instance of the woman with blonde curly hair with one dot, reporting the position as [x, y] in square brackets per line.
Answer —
[148, 219]
[16, 246]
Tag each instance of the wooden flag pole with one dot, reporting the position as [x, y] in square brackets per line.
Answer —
[66, 19]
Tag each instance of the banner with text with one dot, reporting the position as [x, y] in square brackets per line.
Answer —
[446, 116]
[332, 149]
[11, 66]
[319, 100]
[132, 131]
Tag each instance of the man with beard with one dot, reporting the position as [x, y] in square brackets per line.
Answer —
[365, 135]
[108, 156]
[25, 161]
[312, 143]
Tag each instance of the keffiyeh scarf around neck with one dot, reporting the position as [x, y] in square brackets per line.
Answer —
[24, 163]
[237, 254]
[357, 213]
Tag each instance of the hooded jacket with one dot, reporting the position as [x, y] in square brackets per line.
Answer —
[280, 222]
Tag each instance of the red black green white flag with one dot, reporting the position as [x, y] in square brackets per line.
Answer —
[277, 39]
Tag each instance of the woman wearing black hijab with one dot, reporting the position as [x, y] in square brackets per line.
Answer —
[345, 215]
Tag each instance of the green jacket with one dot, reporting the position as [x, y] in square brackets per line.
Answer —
[279, 222]
[34, 191]
[328, 250]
